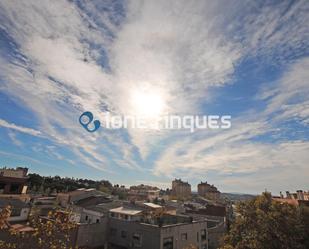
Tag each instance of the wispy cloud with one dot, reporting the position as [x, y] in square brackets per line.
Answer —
[22, 129]
[239, 150]
[63, 58]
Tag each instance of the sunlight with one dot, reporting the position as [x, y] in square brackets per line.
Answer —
[147, 103]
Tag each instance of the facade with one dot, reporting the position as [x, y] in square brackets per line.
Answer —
[91, 216]
[172, 232]
[139, 225]
[93, 209]
[300, 198]
[181, 189]
[299, 195]
[91, 235]
[208, 191]
[65, 199]
[44, 204]
[127, 214]
[19, 210]
[143, 193]
[13, 181]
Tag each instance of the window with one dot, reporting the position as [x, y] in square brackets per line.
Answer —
[14, 188]
[97, 221]
[16, 212]
[184, 236]
[168, 243]
[112, 214]
[137, 239]
[123, 234]
[113, 231]
[197, 237]
[86, 218]
[2, 185]
[126, 217]
[203, 234]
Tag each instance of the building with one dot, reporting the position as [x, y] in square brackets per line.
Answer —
[181, 189]
[137, 225]
[96, 213]
[208, 191]
[143, 193]
[66, 199]
[300, 198]
[13, 181]
[216, 215]
[19, 210]
[44, 204]
[211, 212]
[132, 228]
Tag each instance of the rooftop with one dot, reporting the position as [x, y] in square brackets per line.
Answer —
[127, 211]
[13, 203]
[14, 173]
[152, 205]
[104, 207]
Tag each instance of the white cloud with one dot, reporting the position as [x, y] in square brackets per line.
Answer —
[22, 129]
[238, 151]
[180, 49]
[166, 58]
[14, 139]
[289, 97]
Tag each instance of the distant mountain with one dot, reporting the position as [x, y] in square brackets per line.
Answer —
[237, 196]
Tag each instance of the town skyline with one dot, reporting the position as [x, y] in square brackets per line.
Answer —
[246, 60]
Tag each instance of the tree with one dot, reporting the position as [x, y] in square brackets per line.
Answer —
[53, 232]
[264, 223]
[5, 213]
[104, 189]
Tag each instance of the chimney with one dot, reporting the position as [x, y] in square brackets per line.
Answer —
[24, 170]
[300, 195]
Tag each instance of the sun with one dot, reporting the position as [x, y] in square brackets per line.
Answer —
[147, 102]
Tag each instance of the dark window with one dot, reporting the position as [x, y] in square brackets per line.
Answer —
[15, 212]
[168, 243]
[86, 218]
[2, 185]
[126, 217]
[112, 214]
[137, 239]
[14, 188]
[197, 237]
[203, 234]
[123, 234]
[184, 236]
[97, 221]
[113, 231]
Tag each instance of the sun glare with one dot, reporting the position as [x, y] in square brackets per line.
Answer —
[147, 103]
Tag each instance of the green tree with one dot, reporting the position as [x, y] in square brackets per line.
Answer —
[104, 189]
[264, 223]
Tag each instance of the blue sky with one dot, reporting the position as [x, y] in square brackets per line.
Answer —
[247, 59]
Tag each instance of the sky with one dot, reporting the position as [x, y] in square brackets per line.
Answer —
[246, 59]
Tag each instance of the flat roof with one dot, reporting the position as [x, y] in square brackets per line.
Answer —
[152, 205]
[122, 210]
[14, 203]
